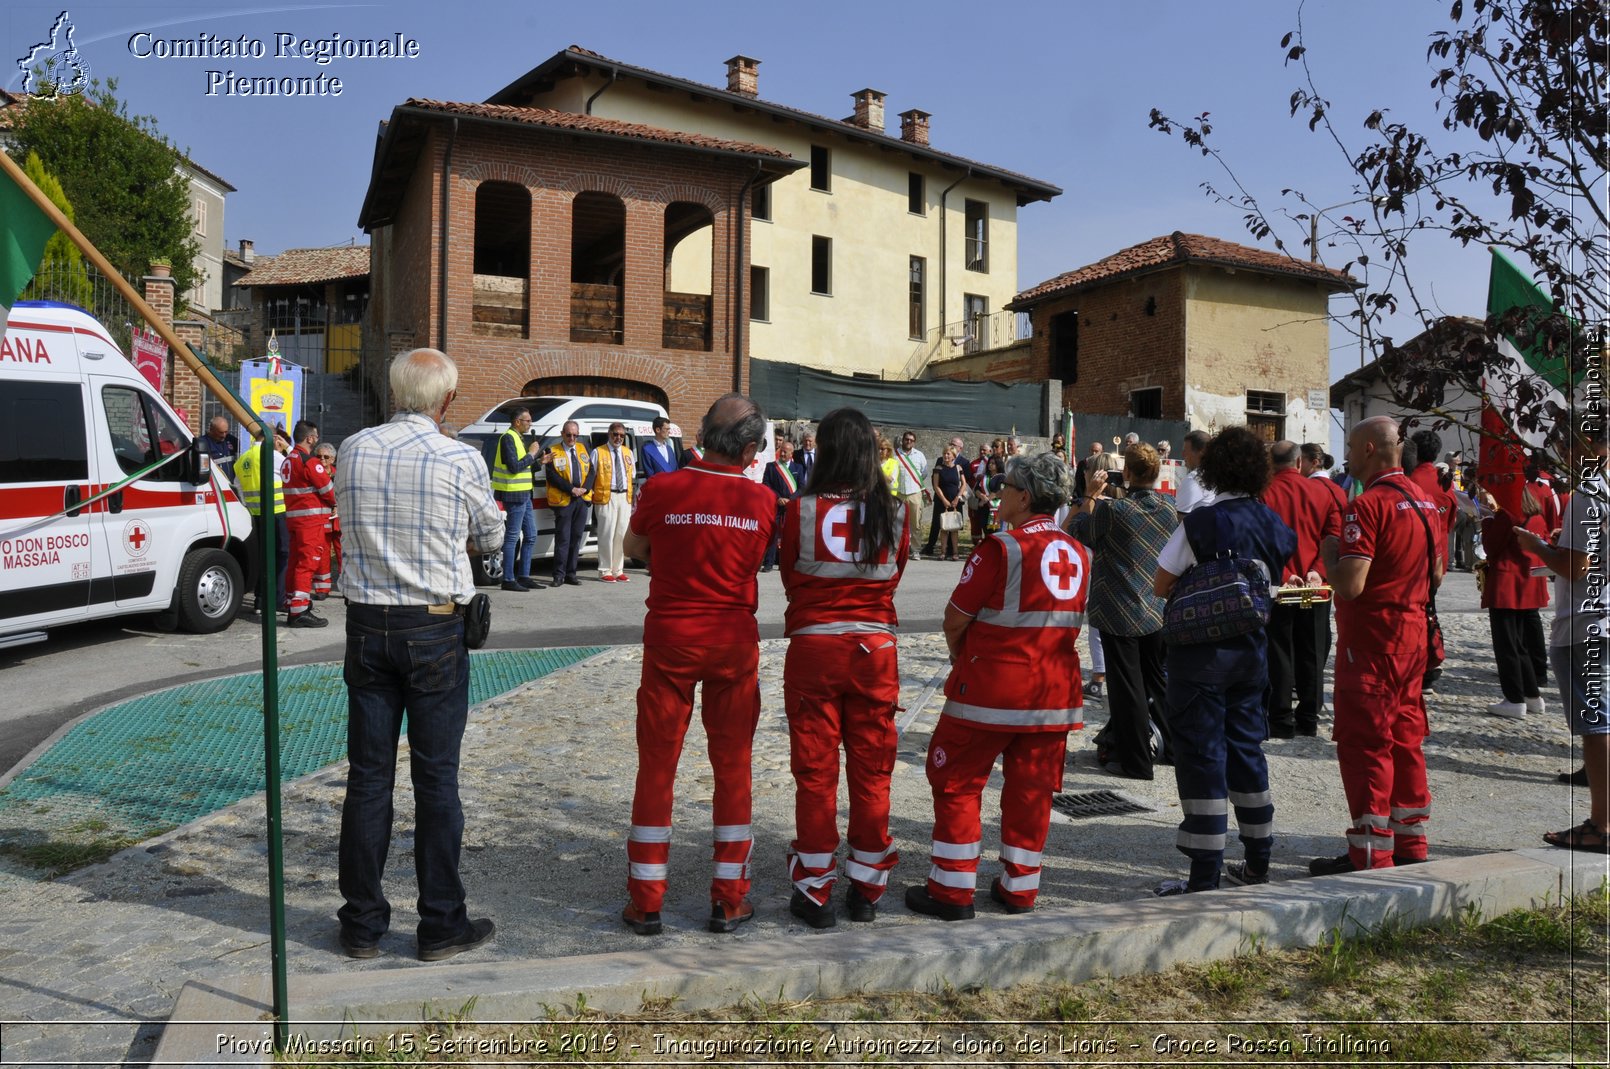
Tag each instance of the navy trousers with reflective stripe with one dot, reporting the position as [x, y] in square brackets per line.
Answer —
[1219, 765]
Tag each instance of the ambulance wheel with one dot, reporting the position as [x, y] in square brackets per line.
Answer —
[487, 568]
[210, 589]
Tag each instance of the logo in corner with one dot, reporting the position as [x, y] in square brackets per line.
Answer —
[53, 67]
[1352, 533]
[938, 757]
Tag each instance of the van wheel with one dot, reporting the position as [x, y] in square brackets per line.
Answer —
[210, 589]
[487, 568]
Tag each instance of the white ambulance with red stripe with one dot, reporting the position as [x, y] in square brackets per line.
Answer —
[107, 504]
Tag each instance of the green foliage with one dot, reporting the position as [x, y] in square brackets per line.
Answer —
[61, 275]
[121, 176]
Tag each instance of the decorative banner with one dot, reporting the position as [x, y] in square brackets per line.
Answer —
[150, 356]
[274, 399]
[1169, 474]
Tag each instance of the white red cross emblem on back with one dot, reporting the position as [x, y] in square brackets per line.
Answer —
[1060, 571]
[841, 531]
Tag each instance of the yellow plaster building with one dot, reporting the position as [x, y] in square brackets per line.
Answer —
[872, 260]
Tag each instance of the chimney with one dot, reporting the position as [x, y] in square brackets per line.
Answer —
[868, 110]
[743, 76]
[914, 126]
[246, 253]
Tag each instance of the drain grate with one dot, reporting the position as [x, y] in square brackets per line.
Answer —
[1097, 804]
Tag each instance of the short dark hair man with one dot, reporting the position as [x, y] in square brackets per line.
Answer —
[710, 524]
[659, 455]
[411, 498]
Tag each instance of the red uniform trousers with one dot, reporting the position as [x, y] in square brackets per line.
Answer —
[309, 558]
[960, 757]
[1380, 725]
[841, 688]
[731, 709]
[324, 577]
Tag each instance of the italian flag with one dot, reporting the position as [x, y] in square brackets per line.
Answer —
[1503, 444]
[24, 229]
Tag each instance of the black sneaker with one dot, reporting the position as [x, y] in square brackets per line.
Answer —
[860, 910]
[998, 895]
[306, 619]
[354, 949]
[1237, 873]
[528, 582]
[515, 586]
[806, 909]
[1331, 866]
[918, 900]
[479, 933]
[1282, 731]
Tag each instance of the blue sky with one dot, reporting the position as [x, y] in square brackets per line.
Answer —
[1056, 90]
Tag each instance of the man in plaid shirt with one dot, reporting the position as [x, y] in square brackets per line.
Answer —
[411, 500]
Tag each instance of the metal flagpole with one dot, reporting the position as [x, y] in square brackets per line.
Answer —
[268, 603]
[271, 733]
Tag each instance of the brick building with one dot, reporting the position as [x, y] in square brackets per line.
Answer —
[1182, 327]
[868, 261]
[534, 246]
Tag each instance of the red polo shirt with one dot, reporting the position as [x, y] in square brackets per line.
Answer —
[708, 527]
[1427, 478]
[1389, 615]
[1307, 513]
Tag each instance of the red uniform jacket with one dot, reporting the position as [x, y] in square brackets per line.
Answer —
[832, 589]
[1510, 583]
[1018, 669]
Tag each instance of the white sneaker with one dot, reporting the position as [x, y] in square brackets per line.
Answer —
[1507, 710]
[1535, 704]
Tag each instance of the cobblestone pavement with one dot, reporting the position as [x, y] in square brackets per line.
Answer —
[547, 780]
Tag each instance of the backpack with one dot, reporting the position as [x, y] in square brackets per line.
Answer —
[1220, 597]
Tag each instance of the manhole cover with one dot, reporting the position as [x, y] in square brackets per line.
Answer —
[1097, 804]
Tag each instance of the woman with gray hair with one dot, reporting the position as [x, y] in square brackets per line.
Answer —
[1012, 626]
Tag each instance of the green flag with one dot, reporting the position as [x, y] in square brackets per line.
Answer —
[1504, 445]
[24, 229]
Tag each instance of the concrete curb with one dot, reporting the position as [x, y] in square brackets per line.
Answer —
[1119, 939]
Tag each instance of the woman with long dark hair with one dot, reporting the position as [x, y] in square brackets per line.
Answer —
[845, 544]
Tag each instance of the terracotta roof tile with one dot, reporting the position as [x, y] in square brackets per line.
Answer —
[306, 266]
[1177, 249]
[565, 120]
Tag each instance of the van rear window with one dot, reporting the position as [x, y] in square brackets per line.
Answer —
[42, 432]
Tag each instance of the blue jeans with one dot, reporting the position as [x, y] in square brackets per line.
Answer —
[520, 519]
[569, 531]
[403, 658]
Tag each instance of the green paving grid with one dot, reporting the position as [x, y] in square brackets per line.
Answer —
[168, 758]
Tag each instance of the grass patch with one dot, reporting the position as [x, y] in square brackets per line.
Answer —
[54, 857]
[1535, 982]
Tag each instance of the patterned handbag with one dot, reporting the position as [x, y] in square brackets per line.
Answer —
[1217, 598]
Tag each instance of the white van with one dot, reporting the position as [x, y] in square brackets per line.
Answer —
[549, 414]
[108, 506]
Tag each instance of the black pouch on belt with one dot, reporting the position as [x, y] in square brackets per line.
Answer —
[477, 621]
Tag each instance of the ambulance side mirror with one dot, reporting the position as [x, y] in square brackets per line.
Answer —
[198, 464]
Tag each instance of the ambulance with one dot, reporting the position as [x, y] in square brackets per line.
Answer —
[108, 506]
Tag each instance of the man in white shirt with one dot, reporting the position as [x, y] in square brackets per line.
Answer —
[1191, 492]
[411, 498]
